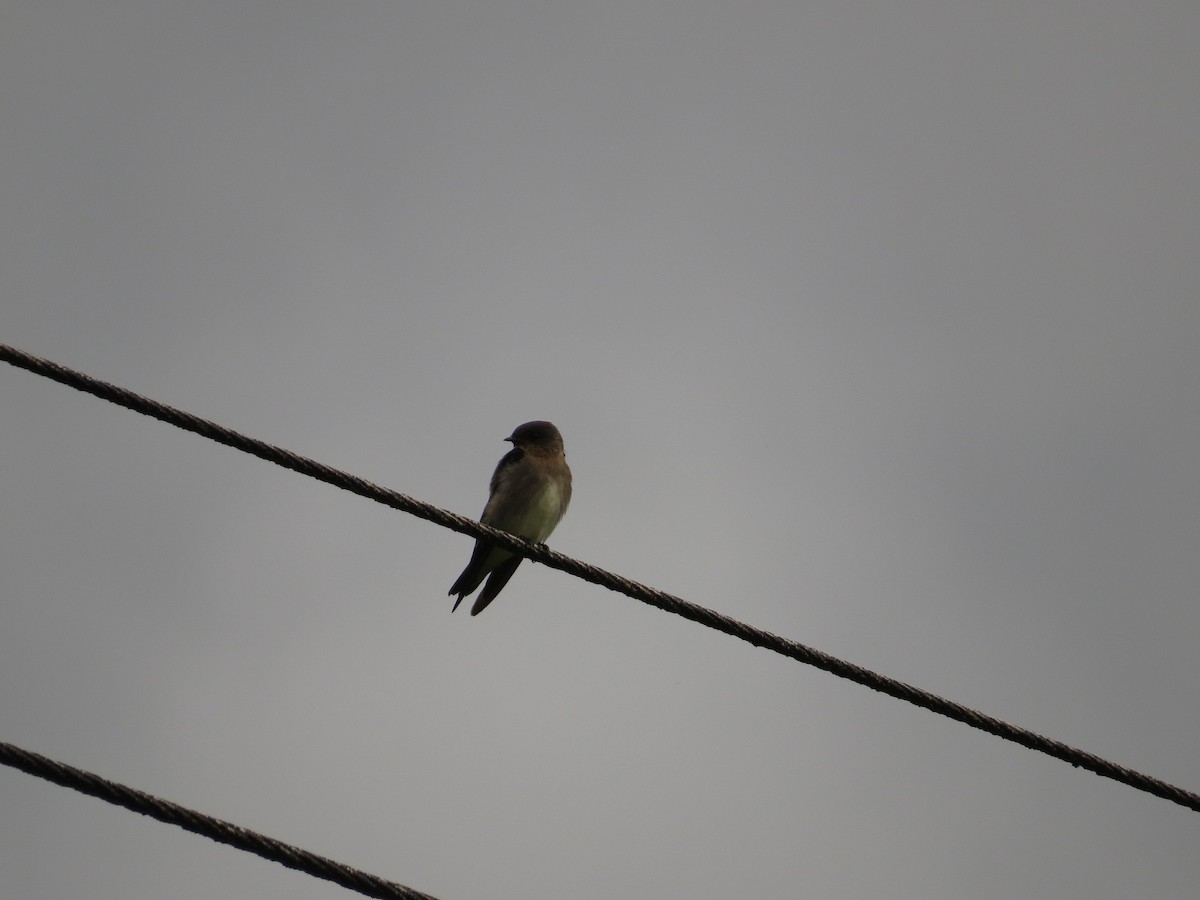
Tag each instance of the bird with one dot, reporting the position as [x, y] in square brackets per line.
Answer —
[530, 490]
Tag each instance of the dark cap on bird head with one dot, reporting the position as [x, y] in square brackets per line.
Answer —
[535, 434]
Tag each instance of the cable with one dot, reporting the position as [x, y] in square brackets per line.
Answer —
[218, 830]
[660, 599]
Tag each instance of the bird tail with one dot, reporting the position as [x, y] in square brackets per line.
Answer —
[495, 584]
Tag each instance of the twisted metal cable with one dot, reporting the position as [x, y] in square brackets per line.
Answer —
[218, 830]
[660, 599]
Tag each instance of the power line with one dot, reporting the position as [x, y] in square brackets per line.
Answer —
[660, 599]
[217, 829]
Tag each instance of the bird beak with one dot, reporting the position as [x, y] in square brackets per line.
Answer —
[509, 439]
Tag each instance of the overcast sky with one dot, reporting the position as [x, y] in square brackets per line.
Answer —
[874, 324]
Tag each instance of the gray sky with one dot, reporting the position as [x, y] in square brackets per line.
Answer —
[871, 323]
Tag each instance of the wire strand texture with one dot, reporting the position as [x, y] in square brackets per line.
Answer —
[217, 829]
[555, 560]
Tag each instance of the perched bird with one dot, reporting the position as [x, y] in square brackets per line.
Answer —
[531, 488]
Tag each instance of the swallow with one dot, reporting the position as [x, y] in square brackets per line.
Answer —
[530, 490]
